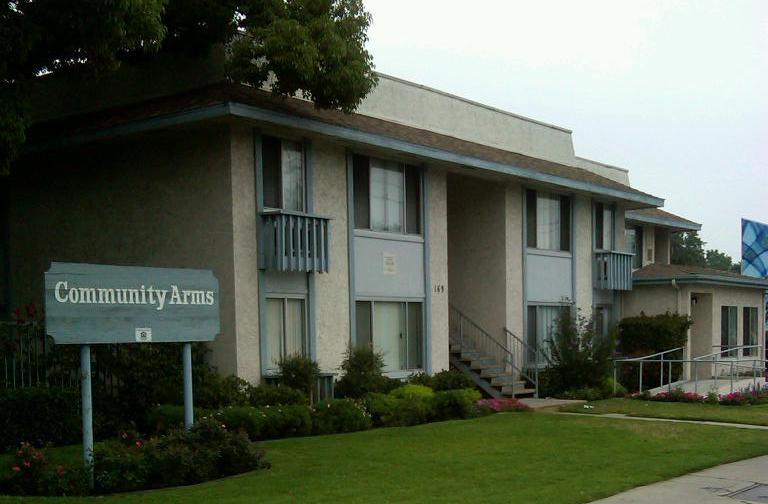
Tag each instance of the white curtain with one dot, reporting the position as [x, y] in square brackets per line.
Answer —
[294, 327]
[387, 196]
[274, 332]
[389, 333]
[547, 221]
[546, 325]
[293, 176]
[607, 228]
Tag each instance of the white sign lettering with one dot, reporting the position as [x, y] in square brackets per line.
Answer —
[64, 292]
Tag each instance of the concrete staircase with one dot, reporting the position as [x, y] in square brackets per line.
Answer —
[489, 375]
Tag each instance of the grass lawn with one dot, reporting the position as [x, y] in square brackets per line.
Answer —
[757, 415]
[519, 457]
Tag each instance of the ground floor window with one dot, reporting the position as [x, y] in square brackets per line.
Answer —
[542, 326]
[286, 329]
[750, 330]
[393, 328]
[728, 324]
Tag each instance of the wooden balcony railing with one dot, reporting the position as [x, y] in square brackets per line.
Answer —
[613, 270]
[291, 241]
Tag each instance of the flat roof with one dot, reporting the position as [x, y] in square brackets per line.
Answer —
[665, 273]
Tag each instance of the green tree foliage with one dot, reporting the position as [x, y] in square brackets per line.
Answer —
[688, 249]
[312, 47]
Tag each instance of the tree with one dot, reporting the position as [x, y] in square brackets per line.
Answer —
[688, 249]
[312, 47]
[719, 260]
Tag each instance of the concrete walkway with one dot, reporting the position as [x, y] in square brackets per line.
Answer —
[725, 484]
[621, 416]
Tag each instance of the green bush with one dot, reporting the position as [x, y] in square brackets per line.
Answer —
[363, 369]
[455, 404]
[410, 410]
[218, 391]
[164, 417]
[412, 391]
[32, 474]
[578, 357]
[270, 395]
[380, 406]
[644, 335]
[269, 422]
[451, 379]
[299, 372]
[121, 466]
[40, 416]
[340, 415]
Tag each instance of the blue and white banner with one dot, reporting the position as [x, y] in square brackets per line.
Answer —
[754, 248]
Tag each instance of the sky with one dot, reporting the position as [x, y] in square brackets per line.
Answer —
[675, 91]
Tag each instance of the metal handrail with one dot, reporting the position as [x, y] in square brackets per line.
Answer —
[635, 359]
[648, 359]
[726, 351]
[525, 350]
[468, 332]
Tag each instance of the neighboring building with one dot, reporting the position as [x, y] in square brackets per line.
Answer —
[421, 217]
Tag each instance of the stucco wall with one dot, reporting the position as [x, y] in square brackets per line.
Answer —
[163, 200]
[515, 196]
[582, 250]
[476, 251]
[245, 253]
[422, 107]
[615, 173]
[332, 288]
[437, 213]
[652, 300]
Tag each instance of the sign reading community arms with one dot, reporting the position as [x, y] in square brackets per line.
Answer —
[91, 303]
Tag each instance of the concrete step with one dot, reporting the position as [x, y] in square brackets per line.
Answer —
[468, 355]
[483, 363]
[491, 372]
[508, 390]
[504, 379]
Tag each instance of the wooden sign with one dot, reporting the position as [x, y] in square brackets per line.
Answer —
[92, 303]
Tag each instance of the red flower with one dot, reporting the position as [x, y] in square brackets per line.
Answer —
[27, 463]
[31, 310]
[139, 443]
[16, 468]
[60, 470]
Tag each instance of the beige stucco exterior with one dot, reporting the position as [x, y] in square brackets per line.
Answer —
[582, 254]
[437, 213]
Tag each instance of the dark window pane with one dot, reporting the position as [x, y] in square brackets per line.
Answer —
[361, 188]
[412, 200]
[270, 150]
[639, 235]
[599, 226]
[415, 336]
[363, 324]
[531, 336]
[565, 223]
[530, 218]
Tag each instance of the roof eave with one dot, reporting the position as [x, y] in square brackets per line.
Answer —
[676, 224]
[703, 279]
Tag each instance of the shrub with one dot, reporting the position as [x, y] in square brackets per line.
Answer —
[268, 422]
[380, 406]
[217, 392]
[120, 465]
[410, 410]
[412, 391]
[455, 404]
[270, 395]
[32, 474]
[164, 417]
[39, 415]
[678, 395]
[579, 358]
[451, 379]
[299, 372]
[340, 415]
[362, 369]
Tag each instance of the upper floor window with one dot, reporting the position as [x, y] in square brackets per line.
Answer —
[283, 174]
[604, 219]
[634, 238]
[387, 196]
[548, 221]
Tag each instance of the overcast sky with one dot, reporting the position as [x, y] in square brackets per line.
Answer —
[677, 92]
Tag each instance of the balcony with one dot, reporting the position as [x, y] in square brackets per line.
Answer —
[292, 241]
[613, 270]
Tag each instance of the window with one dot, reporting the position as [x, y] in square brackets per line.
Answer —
[286, 329]
[393, 328]
[602, 320]
[542, 327]
[750, 330]
[283, 174]
[387, 196]
[634, 238]
[604, 226]
[728, 315]
[548, 221]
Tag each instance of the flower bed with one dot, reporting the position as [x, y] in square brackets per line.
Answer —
[739, 398]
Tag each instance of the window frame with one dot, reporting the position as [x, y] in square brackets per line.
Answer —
[404, 169]
[598, 217]
[531, 232]
[270, 368]
[531, 324]
[280, 184]
[638, 231]
[406, 302]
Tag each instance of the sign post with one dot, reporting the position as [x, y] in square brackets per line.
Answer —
[90, 304]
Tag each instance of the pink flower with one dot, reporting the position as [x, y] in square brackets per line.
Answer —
[16, 468]
[27, 463]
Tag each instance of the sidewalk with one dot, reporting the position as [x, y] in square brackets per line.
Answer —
[733, 483]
